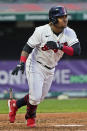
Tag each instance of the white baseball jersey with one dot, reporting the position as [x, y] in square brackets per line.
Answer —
[40, 37]
[39, 76]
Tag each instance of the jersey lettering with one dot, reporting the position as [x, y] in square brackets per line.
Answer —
[45, 49]
[55, 50]
[65, 43]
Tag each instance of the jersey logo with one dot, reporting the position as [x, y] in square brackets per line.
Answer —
[47, 35]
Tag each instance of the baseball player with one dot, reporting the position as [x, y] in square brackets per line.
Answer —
[41, 54]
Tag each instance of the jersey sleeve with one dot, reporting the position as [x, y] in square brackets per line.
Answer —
[35, 39]
[72, 38]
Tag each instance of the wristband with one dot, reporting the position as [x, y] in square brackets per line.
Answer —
[68, 50]
[23, 59]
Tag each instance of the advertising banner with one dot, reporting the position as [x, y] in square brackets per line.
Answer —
[70, 75]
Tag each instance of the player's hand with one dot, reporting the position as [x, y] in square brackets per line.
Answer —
[53, 45]
[19, 67]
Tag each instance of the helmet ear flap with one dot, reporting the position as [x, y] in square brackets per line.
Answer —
[54, 20]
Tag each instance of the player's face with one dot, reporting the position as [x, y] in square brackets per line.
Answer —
[62, 21]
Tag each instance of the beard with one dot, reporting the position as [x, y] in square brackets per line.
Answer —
[61, 28]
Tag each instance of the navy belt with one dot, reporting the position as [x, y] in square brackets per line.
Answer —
[45, 65]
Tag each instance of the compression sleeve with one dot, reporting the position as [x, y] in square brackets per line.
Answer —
[27, 48]
[74, 50]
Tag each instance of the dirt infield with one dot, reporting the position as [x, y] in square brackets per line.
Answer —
[47, 122]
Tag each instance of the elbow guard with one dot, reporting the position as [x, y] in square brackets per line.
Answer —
[77, 49]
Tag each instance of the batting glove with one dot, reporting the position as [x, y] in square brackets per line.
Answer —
[53, 45]
[19, 67]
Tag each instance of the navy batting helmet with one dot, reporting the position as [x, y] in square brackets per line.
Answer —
[56, 12]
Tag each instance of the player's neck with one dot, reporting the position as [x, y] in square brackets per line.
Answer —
[55, 29]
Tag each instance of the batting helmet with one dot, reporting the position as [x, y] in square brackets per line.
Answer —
[56, 12]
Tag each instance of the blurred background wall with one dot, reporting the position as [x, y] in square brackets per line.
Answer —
[18, 19]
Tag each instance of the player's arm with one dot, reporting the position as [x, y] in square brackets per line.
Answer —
[24, 55]
[32, 42]
[74, 50]
[69, 50]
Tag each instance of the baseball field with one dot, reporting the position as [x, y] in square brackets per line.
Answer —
[52, 115]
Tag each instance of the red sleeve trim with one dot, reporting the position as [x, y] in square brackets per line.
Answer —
[68, 50]
[23, 59]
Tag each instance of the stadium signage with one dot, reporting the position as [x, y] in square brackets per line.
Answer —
[31, 16]
[69, 76]
[7, 18]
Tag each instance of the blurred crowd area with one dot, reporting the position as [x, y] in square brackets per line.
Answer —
[40, 1]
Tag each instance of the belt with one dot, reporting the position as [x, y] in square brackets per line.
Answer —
[45, 65]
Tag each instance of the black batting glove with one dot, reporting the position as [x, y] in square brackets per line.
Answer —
[53, 45]
[19, 67]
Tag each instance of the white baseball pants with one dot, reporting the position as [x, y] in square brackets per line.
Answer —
[39, 81]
